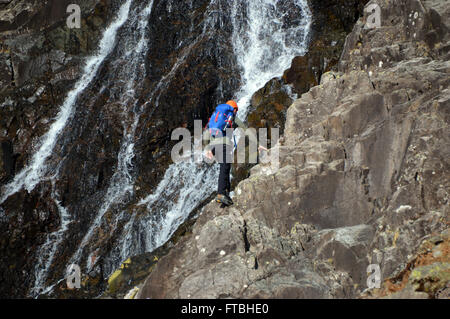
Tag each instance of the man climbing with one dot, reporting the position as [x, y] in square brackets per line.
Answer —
[222, 144]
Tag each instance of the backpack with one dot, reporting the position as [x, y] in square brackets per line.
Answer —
[220, 120]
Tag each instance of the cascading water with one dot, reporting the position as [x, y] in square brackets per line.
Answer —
[122, 183]
[267, 35]
[141, 235]
[46, 253]
[32, 174]
[175, 197]
[35, 172]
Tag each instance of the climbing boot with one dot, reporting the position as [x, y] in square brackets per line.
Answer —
[224, 199]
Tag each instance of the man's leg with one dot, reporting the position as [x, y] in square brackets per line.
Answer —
[224, 173]
[224, 176]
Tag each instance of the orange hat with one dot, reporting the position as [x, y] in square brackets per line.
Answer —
[233, 104]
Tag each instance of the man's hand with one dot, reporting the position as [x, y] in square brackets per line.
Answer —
[262, 148]
[209, 155]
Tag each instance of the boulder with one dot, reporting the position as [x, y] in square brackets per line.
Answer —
[346, 249]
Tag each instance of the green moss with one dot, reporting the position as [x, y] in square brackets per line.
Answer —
[116, 280]
[430, 278]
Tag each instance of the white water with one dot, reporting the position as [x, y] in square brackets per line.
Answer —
[264, 48]
[184, 186]
[46, 253]
[122, 183]
[32, 174]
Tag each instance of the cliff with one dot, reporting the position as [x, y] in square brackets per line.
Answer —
[364, 179]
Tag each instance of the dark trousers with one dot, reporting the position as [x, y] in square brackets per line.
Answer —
[225, 159]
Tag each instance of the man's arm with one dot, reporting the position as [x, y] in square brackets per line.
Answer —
[239, 123]
[251, 136]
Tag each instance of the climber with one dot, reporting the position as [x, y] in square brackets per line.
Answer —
[221, 146]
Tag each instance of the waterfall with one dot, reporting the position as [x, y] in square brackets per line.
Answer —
[33, 173]
[30, 176]
[263, 42]
[46, 253]
[122, 183]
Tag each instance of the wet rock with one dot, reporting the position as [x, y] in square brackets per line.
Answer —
[26, 230]
[35, 78]
[6, 160]
[268, 107]
[189, 69]
[332, 21]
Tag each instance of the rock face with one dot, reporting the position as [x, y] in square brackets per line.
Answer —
[363, 178]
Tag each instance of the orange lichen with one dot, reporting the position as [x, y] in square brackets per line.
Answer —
[425, 258]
